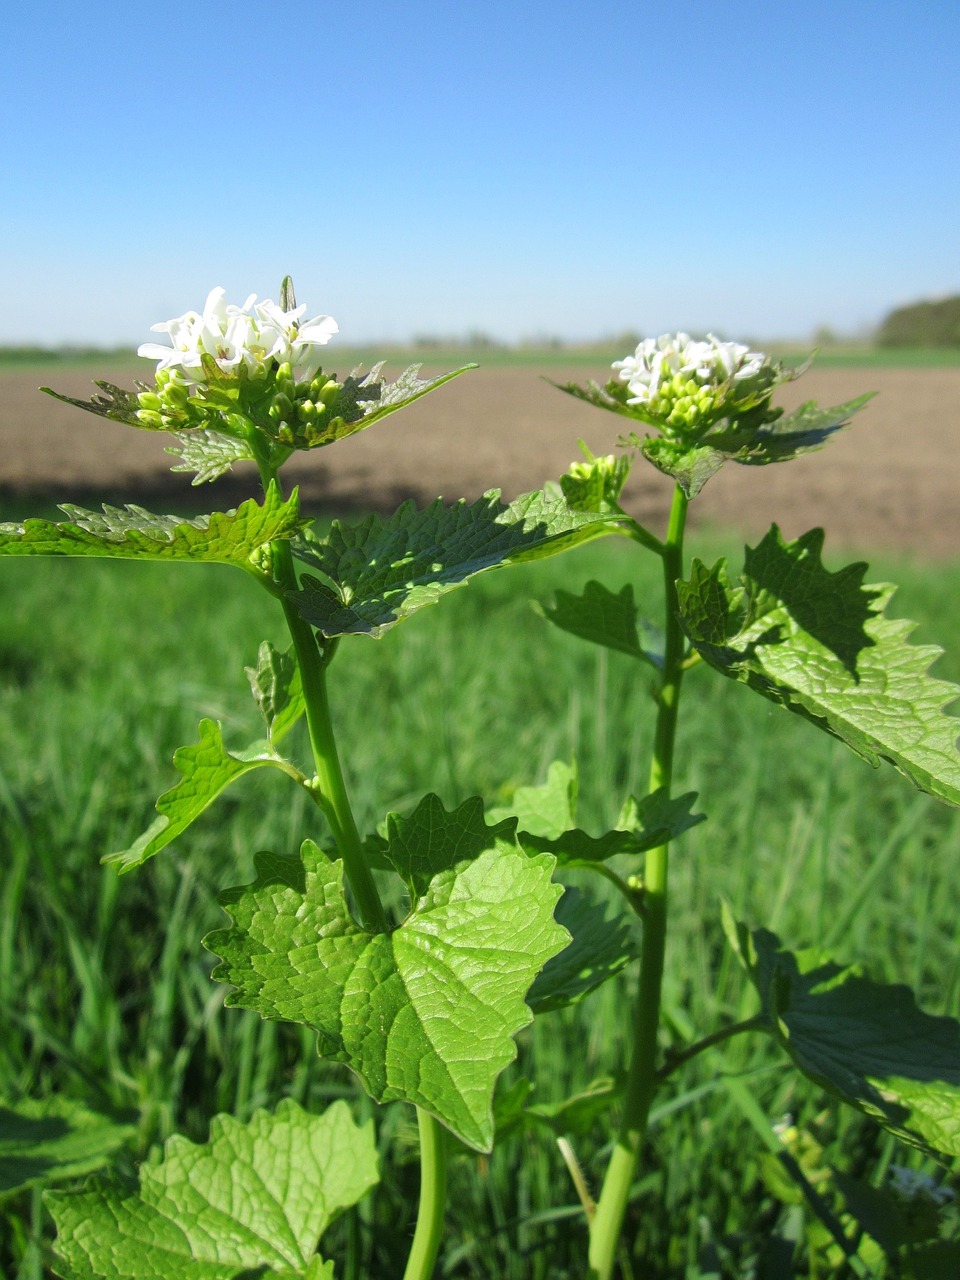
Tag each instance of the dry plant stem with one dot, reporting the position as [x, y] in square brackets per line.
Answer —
[643, 1078]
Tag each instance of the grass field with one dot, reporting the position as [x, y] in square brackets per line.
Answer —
[104, 670]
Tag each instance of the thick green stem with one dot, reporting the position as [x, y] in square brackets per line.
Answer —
[643, 1078]
[433, 1194]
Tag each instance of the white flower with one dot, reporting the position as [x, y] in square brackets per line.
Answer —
[253, 335]
[685, 383]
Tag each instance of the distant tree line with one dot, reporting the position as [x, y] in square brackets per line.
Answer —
[924, 324]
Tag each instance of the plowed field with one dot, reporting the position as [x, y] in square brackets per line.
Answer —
[890, 482]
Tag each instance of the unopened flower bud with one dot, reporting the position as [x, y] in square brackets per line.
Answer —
[149, 400]
[306, 410]
[329, 392]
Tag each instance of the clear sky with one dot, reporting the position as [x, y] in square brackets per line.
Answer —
[512, 166]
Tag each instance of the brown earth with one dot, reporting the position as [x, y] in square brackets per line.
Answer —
[890, 482]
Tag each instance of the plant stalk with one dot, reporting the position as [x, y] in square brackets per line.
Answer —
[313, 675]
[433, 1194]
[643, 1078]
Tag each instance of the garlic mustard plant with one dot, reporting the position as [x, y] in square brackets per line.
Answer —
[422, 1002]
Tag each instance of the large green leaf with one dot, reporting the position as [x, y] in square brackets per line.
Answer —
[426, 1012]
[230, 537]
[206, 769]
[253, 1201]
[55, 1138]
[380, 571]
[820, 644]
[865, 1041]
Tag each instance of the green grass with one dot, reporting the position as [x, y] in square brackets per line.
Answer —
[105, 669]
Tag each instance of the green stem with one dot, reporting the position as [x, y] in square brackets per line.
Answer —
[433, 1193]
[643, 1078]
[333, 789]
[313, 665]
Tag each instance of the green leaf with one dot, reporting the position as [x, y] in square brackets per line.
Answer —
[820, 644]
[230, 537]
[53, 1139]
[426, 1012]
[113, 402]
[252, 1201]
[600, 949]
[547, 810]
[207, 453]
[606, 619]
[546, 814]
[206, 769]
[867, 1042]
[380, 571]
[806, 428]
[277, 690]
[364, 399]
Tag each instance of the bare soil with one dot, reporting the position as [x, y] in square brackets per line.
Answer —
[890, 482]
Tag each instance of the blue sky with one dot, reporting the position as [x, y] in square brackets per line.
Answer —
[519, 168]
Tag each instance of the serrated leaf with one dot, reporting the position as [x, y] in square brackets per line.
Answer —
[600, 949]
[547, 810]
[806, 428]
[55, 1138]
[277, 689]
[254, 1200]
[606, 619]
[690, 465]
[130, 532]
[380, 571]
[208, 454]
[865, 1041]
[363, 399]
[113, 402]
[427, 1012]
[545, 816]
[821, 645]
[206, 769]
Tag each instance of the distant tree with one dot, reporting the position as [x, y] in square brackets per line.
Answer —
[924, 324]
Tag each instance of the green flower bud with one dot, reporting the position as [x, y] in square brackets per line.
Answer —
[149, 400]
[175, 396]
[150, 419]
[306, 410]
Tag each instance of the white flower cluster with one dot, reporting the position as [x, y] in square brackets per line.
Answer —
[682, 380]
[253, 335]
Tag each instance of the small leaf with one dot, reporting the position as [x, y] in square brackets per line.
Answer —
[545, 816]
[113, 402]
[380, 571]
[363, 399]
[253, 1201]
[691, 465]
[820, 644]
[206, 770]
[547, 810]
[209, 454]
[600, 949]
[53, 1139]
[426, 1012]
[867, 1042]
[806, 428]
[277, 689]
[288, 299]
[606, 619]
[230, 537]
